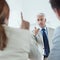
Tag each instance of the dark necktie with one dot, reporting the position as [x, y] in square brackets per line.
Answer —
[46, 43]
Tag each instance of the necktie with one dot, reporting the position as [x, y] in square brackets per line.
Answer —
[46, 43]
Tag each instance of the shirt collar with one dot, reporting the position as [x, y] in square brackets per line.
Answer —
[44, 28]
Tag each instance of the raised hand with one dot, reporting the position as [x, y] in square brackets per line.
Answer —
[25, 24]
[36, 30]
[22, 16]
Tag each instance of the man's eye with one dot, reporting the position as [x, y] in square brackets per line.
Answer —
[37, 19]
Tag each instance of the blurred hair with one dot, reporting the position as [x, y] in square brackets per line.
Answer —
[3, 37]
[41, 14]
[55, 4]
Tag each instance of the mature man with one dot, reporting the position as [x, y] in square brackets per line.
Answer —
[55, 51]
[43, 36]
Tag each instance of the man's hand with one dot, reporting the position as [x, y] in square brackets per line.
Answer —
[36, 31]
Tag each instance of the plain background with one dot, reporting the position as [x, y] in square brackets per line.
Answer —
[30, 9]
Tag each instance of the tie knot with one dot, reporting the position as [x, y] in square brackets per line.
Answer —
[43, 29]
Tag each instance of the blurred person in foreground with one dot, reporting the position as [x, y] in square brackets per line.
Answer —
[55, 51]
[15, 44]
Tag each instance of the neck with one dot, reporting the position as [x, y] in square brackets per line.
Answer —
[43, 26]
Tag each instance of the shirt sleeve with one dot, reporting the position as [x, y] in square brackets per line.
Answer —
[34, 53]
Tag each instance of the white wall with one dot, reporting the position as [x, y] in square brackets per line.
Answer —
[30, 9]
[15, 10]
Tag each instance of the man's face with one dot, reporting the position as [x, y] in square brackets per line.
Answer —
[41, 21]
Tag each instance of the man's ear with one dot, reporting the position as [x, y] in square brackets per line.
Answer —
[45, 19]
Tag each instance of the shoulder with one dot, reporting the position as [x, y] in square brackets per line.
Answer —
[57, 31]
[16, 31]
[11, 29]
[56, 36]
[49, 28]
[19, 34]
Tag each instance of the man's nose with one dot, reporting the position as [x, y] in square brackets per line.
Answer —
[40, 21]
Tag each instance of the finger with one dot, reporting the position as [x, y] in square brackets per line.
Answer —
[35, 27]
[21, 16]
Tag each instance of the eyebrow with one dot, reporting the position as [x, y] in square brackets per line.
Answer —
[40, 19]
